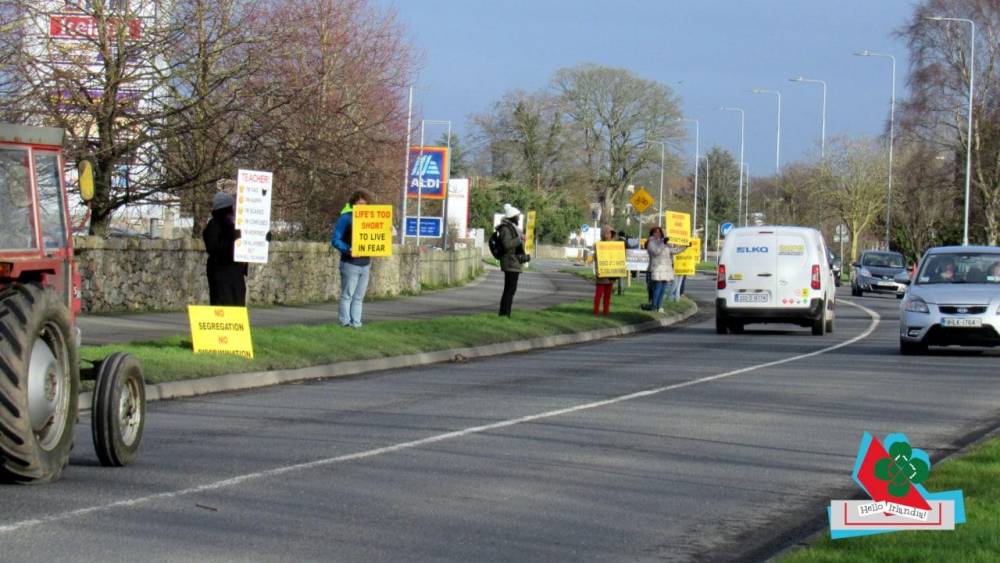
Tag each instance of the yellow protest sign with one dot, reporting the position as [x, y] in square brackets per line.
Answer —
[641, 200]
[225, 330]
[529, 234]
[685, 262]
[611, 259]
[678, 227]
[371, 230]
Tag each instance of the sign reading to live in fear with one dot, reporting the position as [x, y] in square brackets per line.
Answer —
[641, 200]
[224, 330]
[685, 262]
[611, 259]
[371, 231]
[678, 227]
[253, 215]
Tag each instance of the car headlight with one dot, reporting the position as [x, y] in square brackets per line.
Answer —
[916, 305]
[864, 272]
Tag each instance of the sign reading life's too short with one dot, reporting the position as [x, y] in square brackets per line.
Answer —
[685, 262]
[611, 259]
[253, 215]
[224, 330]
[678, 227]
[371, 230]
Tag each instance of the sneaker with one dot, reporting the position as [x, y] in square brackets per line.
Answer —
[660, 310]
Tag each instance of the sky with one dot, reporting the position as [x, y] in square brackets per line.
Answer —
[710, 52]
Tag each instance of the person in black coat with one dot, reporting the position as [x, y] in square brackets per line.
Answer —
[227, 285]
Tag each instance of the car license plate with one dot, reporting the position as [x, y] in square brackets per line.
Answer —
[751, 297]
[962, 322]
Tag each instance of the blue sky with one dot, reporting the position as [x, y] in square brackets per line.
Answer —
[711, 52]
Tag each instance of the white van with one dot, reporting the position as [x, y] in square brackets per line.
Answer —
[774, 275]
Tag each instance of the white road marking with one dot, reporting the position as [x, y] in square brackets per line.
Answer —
[16, 526]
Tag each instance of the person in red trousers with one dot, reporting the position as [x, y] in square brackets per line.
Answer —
[604, 286]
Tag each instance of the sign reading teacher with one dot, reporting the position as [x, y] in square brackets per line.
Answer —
[253, 215]
[371, 231]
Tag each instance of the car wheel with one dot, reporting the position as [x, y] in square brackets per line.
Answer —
[736, 328]
[912, 348]
[856, 292]
[900, 295]
[720, 325]
[819, 323]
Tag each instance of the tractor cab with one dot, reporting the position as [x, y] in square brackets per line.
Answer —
[39, 340]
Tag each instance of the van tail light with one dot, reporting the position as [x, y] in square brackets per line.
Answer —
[720, 278]
[815, 277]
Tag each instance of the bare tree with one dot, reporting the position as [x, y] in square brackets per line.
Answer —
[853, 179]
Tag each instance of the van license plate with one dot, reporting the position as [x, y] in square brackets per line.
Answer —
[751, 297]
[962, 322]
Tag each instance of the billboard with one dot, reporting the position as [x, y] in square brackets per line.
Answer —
[428, 176]
[458, 204]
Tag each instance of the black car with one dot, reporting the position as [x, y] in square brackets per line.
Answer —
[876, 271]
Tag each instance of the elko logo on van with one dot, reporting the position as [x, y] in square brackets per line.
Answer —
[751, 249]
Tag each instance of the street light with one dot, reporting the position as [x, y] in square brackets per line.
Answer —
[746, 212]
[663, 147]
[444, 223]
[777, 149]
[822, 135]
[742, 123]
[968, 150]
[697, 156]
[892, 134]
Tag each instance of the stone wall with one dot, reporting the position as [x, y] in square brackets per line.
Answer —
[124, 274]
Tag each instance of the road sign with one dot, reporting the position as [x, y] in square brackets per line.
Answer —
[725, 228]
[841, 230]
[429, 226]
[371, 233]
[641, 200]
[584, 228]
[678, 227]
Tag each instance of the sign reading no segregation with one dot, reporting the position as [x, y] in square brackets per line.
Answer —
[371, 231]
[224, 330]
[611, 259]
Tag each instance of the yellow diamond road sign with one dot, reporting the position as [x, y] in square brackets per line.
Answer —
[641, 200]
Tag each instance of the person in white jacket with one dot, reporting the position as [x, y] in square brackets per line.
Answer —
[661, 266]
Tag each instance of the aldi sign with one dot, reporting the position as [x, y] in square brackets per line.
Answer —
[428, 177]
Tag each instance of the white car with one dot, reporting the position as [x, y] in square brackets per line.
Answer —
[774, 275]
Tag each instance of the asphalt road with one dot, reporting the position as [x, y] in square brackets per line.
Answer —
[674, 445]
[538, 288]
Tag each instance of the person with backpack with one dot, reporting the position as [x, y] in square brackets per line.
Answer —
[506, 245]
[354, 271]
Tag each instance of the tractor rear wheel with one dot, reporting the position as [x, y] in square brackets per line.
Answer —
[119, 410]
[39, 385]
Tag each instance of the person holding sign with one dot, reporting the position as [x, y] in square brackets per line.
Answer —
[227, 284]
[354, 270]
[604, 285]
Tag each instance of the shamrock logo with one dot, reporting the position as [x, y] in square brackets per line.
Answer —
[901, 469]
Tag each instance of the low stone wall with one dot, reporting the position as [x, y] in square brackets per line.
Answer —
[123, 274]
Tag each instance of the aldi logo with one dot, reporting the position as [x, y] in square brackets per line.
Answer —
[428, 175]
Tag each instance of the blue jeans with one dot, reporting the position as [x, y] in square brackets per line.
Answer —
[353, 285]
[659, 289]
[675, 289]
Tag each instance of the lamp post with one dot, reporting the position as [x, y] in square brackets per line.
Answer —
[444, 221]
[742, 128]
[822, 134]
[406, 170]
[708, 185]
[697, 156]
[968, 150]
[892, 134]
[663, 146]
[746, 212]
[777, 149]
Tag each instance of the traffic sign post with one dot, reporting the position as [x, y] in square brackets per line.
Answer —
[725, 228]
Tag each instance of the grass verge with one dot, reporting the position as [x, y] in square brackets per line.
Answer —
[288, 347]
[978, 475]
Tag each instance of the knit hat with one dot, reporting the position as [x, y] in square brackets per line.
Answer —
[222, 200]
[509, 211]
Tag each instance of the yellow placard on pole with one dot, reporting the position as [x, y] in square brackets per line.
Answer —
[611, 259]
[685, 262]
[225, 330]
[678, 227]
[529, 234]
[371, 230]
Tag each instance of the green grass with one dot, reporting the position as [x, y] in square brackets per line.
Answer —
[289, 347]
[706, 266]
[978, 475]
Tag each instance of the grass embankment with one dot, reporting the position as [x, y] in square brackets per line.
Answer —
[289, 347]
[978, 475]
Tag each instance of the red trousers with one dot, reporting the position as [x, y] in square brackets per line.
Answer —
[602, 291]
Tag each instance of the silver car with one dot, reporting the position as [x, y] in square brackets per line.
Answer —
[954, 300]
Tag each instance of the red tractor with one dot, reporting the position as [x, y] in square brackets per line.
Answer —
[40, 369]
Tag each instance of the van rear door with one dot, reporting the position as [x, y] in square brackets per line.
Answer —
[794, 270]
[753, 269]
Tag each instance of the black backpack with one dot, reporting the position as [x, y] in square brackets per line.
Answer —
[496, 247]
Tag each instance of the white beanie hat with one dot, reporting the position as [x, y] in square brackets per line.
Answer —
[509, 211]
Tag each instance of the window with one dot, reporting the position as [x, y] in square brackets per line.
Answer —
[16, 223]
[960, 268]
[50, 200]
[882, 260]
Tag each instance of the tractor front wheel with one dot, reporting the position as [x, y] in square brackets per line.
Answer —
[119, 410]
[39, 385]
